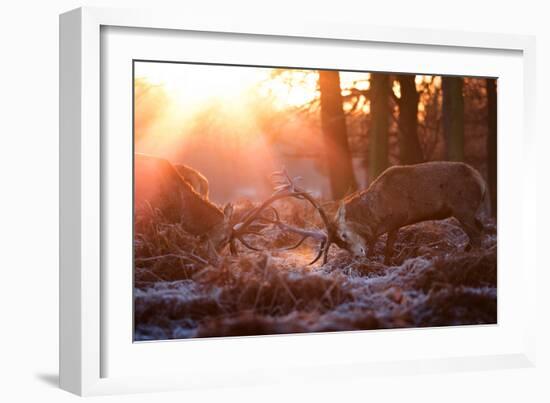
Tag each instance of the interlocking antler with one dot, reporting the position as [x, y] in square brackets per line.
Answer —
[285, 187]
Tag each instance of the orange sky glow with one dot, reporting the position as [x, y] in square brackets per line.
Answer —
[222, 118]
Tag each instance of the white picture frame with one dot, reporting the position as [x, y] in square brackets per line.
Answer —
[85, 344]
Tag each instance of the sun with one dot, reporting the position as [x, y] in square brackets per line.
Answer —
[172, 100]
[191, 85]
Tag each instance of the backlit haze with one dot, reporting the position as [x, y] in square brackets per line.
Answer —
[236, 124]
[230, 122]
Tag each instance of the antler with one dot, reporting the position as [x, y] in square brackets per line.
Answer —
[285, 187]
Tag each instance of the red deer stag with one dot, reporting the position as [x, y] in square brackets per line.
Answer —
[408, 194]
[400, 196]
[159, 186]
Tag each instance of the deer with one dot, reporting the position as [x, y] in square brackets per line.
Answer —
[400, 196]
[408, 194]
[159, 186]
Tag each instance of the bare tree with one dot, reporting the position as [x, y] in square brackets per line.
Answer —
[453, 117]
[333, 123]
[380, 119]
[410, 151]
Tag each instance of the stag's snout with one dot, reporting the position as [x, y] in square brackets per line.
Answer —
[359, 251]
[356, 246]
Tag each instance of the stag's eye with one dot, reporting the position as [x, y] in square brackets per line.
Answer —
[343, 235]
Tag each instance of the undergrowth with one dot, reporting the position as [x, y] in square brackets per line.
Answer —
[180, 291]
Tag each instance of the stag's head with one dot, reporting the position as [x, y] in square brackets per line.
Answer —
[350, 235]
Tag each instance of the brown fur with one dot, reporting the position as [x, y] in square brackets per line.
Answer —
[159, 185]
[404, 195]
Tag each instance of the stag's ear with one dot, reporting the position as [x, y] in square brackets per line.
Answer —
[341, 214]
[228, 211]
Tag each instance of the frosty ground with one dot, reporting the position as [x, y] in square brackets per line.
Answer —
[433, 280]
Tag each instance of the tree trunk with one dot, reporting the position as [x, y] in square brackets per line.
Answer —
[410, 151]
[333, 122]
[492, 142]
[380, 116]
[453, 117]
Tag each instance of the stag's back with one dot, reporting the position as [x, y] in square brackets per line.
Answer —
[159, 185]
[413, 193]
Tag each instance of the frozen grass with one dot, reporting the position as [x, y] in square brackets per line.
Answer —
[180, 292]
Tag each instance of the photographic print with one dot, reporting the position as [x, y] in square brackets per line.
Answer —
[271, 200]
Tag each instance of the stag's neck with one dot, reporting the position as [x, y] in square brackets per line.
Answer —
[205, 215]
[361, 208]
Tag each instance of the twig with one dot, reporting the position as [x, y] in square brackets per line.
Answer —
[192, 257]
